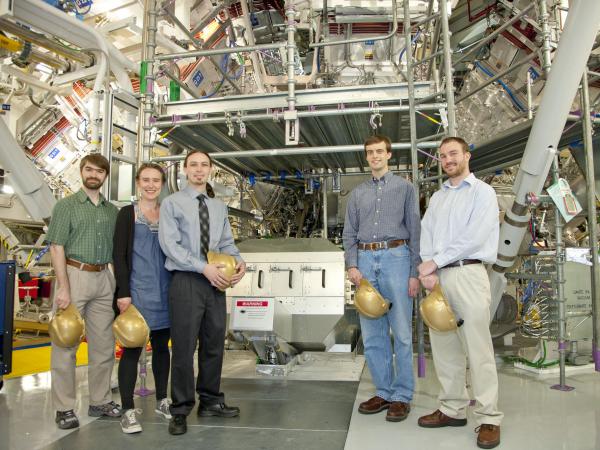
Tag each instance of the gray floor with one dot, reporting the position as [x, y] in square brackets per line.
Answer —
[318, 412]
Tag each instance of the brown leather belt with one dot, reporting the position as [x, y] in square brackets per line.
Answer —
[87, 267]
[381, 245]
[462, 262]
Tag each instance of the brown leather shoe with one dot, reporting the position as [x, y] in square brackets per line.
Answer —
[373, 405]
[397, 412]
[438, 419]
[489, 435]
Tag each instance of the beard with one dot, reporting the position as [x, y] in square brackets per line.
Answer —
[92, 183]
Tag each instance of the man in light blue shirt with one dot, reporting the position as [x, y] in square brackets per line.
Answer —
[192, 222]
[459, 233]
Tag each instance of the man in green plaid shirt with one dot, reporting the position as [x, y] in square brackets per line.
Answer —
[81, 235]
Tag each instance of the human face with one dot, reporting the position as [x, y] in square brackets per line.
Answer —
[92, 176]
[378, 157]
[455, 161]
[197, 169]
[149, 184]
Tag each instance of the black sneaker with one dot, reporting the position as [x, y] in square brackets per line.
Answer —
[66, 419]
[178, 424]
[218, 409]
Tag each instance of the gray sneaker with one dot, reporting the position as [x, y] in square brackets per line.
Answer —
[110, 409]
[162, 408]
[129, 421]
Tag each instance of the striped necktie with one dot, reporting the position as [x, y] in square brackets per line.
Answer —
[204, 224]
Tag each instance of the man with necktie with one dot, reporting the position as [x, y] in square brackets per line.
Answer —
[192, 222]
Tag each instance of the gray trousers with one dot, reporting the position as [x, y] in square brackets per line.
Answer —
[92, 294]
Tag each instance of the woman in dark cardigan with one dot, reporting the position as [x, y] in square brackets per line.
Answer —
[142, 280]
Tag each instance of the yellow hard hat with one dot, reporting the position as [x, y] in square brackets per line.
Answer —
[436, 311]
[221, 258]
[130, 328]
[67, 327]
[368, 300]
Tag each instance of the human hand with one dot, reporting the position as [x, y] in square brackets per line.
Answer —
[123, 303]
[354, 275]
[62, 297]
[427, 268]
[413, 287]
[429, 281]
[240, 271]
[215, 276]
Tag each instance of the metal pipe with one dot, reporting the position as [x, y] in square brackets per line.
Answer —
[295, 151]
[495, 78]
[429, 58]
[43, 41]
[358, 40]
[546, 49]
[428, 18]
[529, 97]
[145, 144]
[591, 216]
[434, 46]
[495, 33]
[165, 121]
[448, 71]
[560, 288]
[220, 51]
[291, 56]
[414, 162]
[324, 187]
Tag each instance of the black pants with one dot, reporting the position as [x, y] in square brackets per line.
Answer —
[198, 315]
[128, 367]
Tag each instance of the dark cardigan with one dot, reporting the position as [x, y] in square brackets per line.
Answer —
[123, 252]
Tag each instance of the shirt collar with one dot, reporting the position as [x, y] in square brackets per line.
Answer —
[470, 180]
[193, 193]
[82, 197]
[384, 179]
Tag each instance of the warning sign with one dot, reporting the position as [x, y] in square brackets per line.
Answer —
[252, 314]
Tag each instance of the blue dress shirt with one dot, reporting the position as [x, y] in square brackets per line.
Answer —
[179, 230]
[461, 222]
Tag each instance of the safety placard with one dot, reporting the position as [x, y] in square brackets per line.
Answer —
[252, 313]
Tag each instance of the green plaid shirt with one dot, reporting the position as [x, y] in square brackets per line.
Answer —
[85, 230]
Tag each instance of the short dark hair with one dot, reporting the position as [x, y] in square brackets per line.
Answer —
[151, 165]
[97, 160]
[378, 138]
[458, 140]
[192, 152]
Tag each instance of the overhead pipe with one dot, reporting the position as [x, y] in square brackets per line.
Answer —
[42, 41]
[295, 151]
[220, 51]
[165, 121]
[359, 40]
[568, 66]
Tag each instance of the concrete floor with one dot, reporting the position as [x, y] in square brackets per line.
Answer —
[313, 410]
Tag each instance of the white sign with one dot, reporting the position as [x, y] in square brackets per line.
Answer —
[252, 313]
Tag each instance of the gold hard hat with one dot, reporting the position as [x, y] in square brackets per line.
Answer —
[221, 258]
[436, 311]
[369, 301]
[67, 327]
[130, 328]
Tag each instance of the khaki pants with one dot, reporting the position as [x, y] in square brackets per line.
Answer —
[92, 293]
[468, 291]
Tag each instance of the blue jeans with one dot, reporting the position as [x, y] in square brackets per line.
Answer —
[388, 271]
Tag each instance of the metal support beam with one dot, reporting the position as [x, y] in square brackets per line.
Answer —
[591, 216]
[448, 70]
